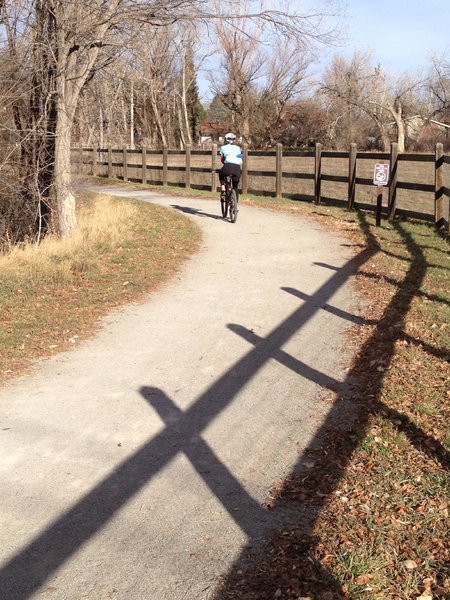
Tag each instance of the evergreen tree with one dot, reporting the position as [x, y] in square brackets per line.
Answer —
[217, 111]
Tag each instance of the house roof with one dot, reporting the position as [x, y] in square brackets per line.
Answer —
[215, 128]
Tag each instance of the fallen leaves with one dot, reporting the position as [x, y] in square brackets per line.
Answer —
[364, 579]
[427, 594]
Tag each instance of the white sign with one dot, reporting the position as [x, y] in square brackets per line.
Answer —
[381, 174]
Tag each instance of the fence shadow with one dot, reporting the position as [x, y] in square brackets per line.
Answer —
[265, 575]
[31, 567]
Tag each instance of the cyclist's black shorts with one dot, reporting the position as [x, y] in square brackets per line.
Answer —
[230, 169]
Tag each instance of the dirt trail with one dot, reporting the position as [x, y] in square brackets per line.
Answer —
[136, 466]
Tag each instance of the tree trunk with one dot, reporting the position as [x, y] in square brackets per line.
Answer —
[183, 141]
[132, 117]
[397, 113]
[101, 128]
[186, 127]
[62, 176]
[385, 139]
[401, 136]
[157, 118]
[245, 129]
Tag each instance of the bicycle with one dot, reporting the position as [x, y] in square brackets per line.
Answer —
[229, 200]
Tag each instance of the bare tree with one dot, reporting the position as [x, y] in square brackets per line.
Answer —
[390, 104]
[439, 87]
[286, 76]
[30, 104]
[155, 67]
[284, 81]
[241, 62]
[68, 41]
[263, 61]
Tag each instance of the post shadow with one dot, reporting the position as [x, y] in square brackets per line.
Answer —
[250, 517]
[419, 293]
[441, 353]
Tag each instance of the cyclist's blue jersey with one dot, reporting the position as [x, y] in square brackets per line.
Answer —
[232, 154]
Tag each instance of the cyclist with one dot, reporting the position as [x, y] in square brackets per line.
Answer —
[231, 157]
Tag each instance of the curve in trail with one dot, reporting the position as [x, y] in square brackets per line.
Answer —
[137, 465]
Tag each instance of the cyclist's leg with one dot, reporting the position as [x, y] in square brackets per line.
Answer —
[236, 178]
[225, 172]
[235, 171]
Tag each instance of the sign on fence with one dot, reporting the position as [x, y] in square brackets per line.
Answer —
[381, 174]
[380, 178]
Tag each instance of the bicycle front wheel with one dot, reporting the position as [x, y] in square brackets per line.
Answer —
[223, 205]
[233, 206]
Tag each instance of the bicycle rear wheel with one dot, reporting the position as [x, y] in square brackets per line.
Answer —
[233, 206]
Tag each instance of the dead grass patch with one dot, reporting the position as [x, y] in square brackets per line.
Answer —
[53, 294]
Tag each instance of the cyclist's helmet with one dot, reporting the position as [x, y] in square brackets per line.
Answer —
[230, 137]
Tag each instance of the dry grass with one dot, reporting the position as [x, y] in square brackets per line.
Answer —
[53, 294]
[55, 261]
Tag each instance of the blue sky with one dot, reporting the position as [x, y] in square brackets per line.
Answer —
[401, 33]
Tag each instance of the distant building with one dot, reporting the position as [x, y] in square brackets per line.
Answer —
[213, 132]
[426, 133]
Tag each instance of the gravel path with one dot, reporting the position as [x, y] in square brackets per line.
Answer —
[135, 466]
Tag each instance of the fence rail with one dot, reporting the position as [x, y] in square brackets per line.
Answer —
[417, 187]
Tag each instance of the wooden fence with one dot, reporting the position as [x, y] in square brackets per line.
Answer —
[416, 188]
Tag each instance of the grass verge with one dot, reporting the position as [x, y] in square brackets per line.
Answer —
[380, 495]
[52, 295]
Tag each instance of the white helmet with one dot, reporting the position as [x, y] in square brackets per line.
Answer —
[230, 137]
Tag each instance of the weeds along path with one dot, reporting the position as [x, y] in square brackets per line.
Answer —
[140, 464]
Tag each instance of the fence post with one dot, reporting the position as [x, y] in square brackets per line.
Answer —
[109, 162]
[318, 174]
[213, 168]
[244, 183]
[124, 163]
[438, 186]
[165, 161]
[279, 172]
[94, 161]
[351, 177]
[188, 166]
[379, 205]
[393, 168]
[144, 165]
